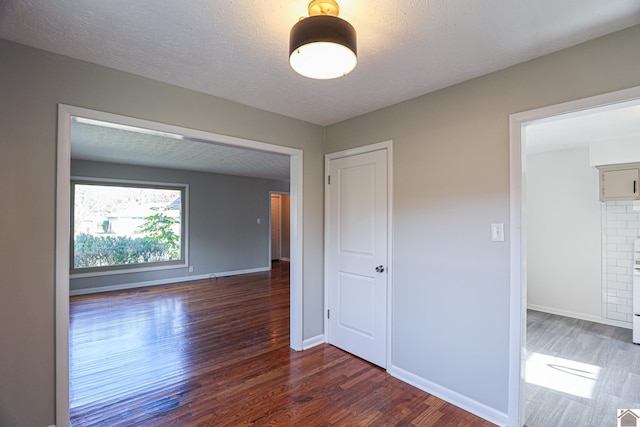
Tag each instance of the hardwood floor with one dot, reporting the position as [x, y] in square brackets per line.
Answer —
[216, 353]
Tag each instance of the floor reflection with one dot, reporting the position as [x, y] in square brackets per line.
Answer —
[137, 346]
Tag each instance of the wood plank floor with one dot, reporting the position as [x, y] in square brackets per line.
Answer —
[578, 372]
[216, 353]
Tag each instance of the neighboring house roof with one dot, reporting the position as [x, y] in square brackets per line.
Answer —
[177, 203]
[136, 211]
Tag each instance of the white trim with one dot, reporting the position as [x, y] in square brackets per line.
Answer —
[450, 396]
[285, 259]
[296, 268]
[385, 145]
[93, 179]
[388, 147]
[137, 269]
[63, 174]
[207, 137]
[313, 341]
[581, 316]
[169, 281]
[517, 290]
[63, 237]
[517, 255]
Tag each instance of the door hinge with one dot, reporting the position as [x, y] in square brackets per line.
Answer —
[328, 314]
[329, 179]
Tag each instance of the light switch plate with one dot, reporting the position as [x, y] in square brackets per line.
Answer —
[497, 232]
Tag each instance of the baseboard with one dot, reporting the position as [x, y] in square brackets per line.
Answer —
[312, 342]
[285, 259]
[580, 316]
[165, 281]
[450, 396]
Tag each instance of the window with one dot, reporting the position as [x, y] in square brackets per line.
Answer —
[128, 225]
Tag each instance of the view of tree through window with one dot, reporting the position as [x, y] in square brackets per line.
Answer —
[125, 225]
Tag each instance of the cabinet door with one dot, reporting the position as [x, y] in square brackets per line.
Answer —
[619, 184]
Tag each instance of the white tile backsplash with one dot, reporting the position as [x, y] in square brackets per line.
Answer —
[624, 247]
[624, 263]
[625, 294]
[620, 226]
[613, 209]
[620, 271]
[619, 240]
[617, 286]
[614, 254]
[624, 309]
[627, 217]
[622, 317]
[626, 279]
[629, 232]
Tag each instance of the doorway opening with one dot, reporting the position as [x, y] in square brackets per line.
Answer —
[280, 224]
[518, 226]
[66, 114]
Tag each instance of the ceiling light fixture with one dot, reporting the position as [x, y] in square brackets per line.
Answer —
[323, 46]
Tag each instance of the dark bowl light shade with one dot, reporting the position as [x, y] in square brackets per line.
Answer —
[323, 47]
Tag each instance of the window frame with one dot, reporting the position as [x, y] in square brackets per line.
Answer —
[183, 262]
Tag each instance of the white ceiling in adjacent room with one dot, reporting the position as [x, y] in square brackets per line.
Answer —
[107, 142]
[612, 123]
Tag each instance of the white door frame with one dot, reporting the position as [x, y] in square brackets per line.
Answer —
[63, 175]
[518, 237]
[388, 147]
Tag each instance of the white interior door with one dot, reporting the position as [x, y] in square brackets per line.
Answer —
[357, 255]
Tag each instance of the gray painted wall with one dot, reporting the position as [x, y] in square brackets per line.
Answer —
[223, 231]
[451, 181]
[564, 243]
[32, 83]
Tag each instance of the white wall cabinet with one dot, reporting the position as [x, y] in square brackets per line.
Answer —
[619, 182]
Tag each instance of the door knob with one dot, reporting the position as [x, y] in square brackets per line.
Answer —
[379, 269]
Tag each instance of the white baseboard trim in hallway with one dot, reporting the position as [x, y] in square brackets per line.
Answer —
[312, 342]
[165, 281]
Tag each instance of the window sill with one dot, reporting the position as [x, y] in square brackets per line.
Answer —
[129, 270]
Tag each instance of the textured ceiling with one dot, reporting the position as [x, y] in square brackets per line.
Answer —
[238, 50]
[111, 144]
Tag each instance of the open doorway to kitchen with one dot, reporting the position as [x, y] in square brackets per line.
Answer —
[535, 367]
